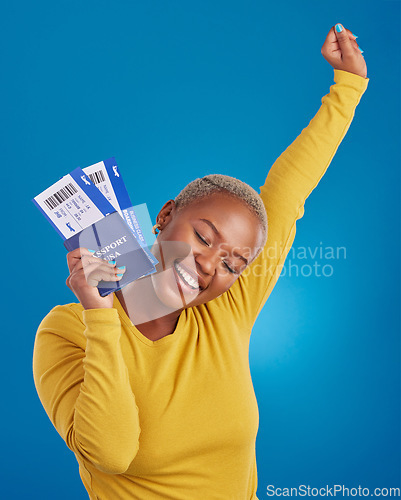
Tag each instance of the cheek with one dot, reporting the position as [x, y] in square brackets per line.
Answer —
[176, 231]
[222, 282]
[167, 251]
[169, 292]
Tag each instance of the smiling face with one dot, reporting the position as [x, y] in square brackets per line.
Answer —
[217, 237]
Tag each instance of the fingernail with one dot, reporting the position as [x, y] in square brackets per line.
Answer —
[112, 262]
[91, 251]
[360, 50]
[122, 267]
[119, 275]
[356, 36]
[339, 28]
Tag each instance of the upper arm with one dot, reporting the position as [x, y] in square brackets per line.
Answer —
[58, 368]
[81, 378]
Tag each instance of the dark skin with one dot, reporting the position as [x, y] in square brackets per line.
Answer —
[219, 258]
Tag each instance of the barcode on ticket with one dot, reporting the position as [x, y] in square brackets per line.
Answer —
[58, 197]
[96, 177]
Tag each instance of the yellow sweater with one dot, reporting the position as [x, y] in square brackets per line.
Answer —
[177, 418]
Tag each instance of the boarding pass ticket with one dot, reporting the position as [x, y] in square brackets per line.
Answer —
[73, 203]
[85, 196]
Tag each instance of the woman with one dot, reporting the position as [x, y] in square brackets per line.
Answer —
[152, 390]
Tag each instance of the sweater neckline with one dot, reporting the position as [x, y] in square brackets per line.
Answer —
[151, 343]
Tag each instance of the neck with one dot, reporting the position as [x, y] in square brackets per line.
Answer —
[153, 322]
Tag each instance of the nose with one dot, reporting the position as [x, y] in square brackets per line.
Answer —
[206, 262]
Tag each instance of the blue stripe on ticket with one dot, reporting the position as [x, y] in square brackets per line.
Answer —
[92, 191]
[117, 183]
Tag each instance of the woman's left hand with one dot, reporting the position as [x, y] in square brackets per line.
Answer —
[341, 50]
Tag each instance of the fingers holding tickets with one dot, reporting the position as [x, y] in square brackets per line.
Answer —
[102, 272]
[342, 52]
[74, 257]
[96, 270]
[86, 271]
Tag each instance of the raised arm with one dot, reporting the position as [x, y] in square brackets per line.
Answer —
[298, 171]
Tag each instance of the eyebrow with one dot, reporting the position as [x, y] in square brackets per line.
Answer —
[210, 224]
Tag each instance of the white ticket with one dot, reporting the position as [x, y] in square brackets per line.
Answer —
[107, 178]
[73, 203]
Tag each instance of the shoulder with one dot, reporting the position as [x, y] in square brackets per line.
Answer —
[71, 313]
[65, 321]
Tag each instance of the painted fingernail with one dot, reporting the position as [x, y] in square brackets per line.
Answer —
[91, 251]
[120, 268]
[356, 36]
[360, 50]
[119, 275]
[112, 262]
[339, 28]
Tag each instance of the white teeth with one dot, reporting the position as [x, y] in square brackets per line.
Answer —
[186, 277]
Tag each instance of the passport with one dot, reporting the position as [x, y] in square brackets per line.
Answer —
[112, 239]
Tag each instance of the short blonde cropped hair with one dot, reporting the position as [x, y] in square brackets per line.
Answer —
[213, 183]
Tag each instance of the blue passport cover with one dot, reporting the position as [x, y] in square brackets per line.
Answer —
[113, 240]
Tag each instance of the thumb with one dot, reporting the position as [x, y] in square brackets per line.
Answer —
[343, 40]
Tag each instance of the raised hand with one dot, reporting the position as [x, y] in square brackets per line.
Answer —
[341, 50]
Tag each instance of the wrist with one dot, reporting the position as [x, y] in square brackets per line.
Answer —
[102, 315]
[353, 80]
[97, 303]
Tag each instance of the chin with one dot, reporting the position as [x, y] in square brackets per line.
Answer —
[172, 291]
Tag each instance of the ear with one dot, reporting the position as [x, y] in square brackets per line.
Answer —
[166, 214]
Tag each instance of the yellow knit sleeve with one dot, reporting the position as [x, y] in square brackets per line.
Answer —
[289, 182]
[82, 381]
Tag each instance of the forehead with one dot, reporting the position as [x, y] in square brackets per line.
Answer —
[235, 222]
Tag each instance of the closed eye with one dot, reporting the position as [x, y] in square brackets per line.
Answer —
[201, 238]
[205, 242]
[229, 268]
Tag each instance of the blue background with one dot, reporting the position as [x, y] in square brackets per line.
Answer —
[176, 90]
